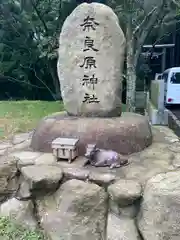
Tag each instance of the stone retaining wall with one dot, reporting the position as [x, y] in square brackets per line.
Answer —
[174, 123]
[71, 202]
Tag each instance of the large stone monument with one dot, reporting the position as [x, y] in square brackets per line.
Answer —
[91, 57]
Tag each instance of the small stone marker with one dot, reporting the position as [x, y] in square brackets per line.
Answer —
[65, 148]
[91, 58]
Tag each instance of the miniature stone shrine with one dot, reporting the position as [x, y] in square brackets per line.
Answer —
[65, 148]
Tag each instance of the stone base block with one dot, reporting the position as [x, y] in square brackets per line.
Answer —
[126, 134]
[156, 117]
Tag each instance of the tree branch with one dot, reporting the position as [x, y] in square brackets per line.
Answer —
[158, 16]
[46, 86]
[59, 15]
[176, 3]
[39, 15]
[11, 79]
[145, 20]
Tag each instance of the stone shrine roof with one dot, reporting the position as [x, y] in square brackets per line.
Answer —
[65, 141]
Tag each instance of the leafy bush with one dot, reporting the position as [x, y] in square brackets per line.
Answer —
[11, 231]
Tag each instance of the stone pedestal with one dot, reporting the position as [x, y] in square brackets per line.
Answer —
[126, 134]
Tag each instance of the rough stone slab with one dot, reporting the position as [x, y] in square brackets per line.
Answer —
[77, 210]
[102, 179]
[164, 134]
[175, 150]
[3, 152]
[129, 211]
[42, 177]
[84, 174]
[19, 211]
[23, 146]
[121, 229]
[157, 158]
[173, 122]
[176, 161]
[77, 163]
[21, 137]
[45, 159]
[157, 152]
[175, 147]
[109, 41]
[5, 145]
[159, 215]
[161, 156]
[75, 173]
[26, 157]
[125, 192]
[23, 192]
[34, 158]
[8, 171]
[127, 134]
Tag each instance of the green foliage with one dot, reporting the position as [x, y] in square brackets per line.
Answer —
[30, 109]
[29, 32]
[23, 116]
[11, 231]
[129, 7]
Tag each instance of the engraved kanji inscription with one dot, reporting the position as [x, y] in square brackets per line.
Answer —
[89, 23]
[89, 62]
[90, 98]
[90, 81]
[89, 45]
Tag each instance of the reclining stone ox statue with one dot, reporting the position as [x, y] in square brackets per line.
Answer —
[102, 158]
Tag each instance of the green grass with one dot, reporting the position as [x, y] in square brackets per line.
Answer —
[22, 116]
[123, 107]
[11, 231]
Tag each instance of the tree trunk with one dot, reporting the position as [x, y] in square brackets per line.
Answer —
[131, 71]
[56, 83]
